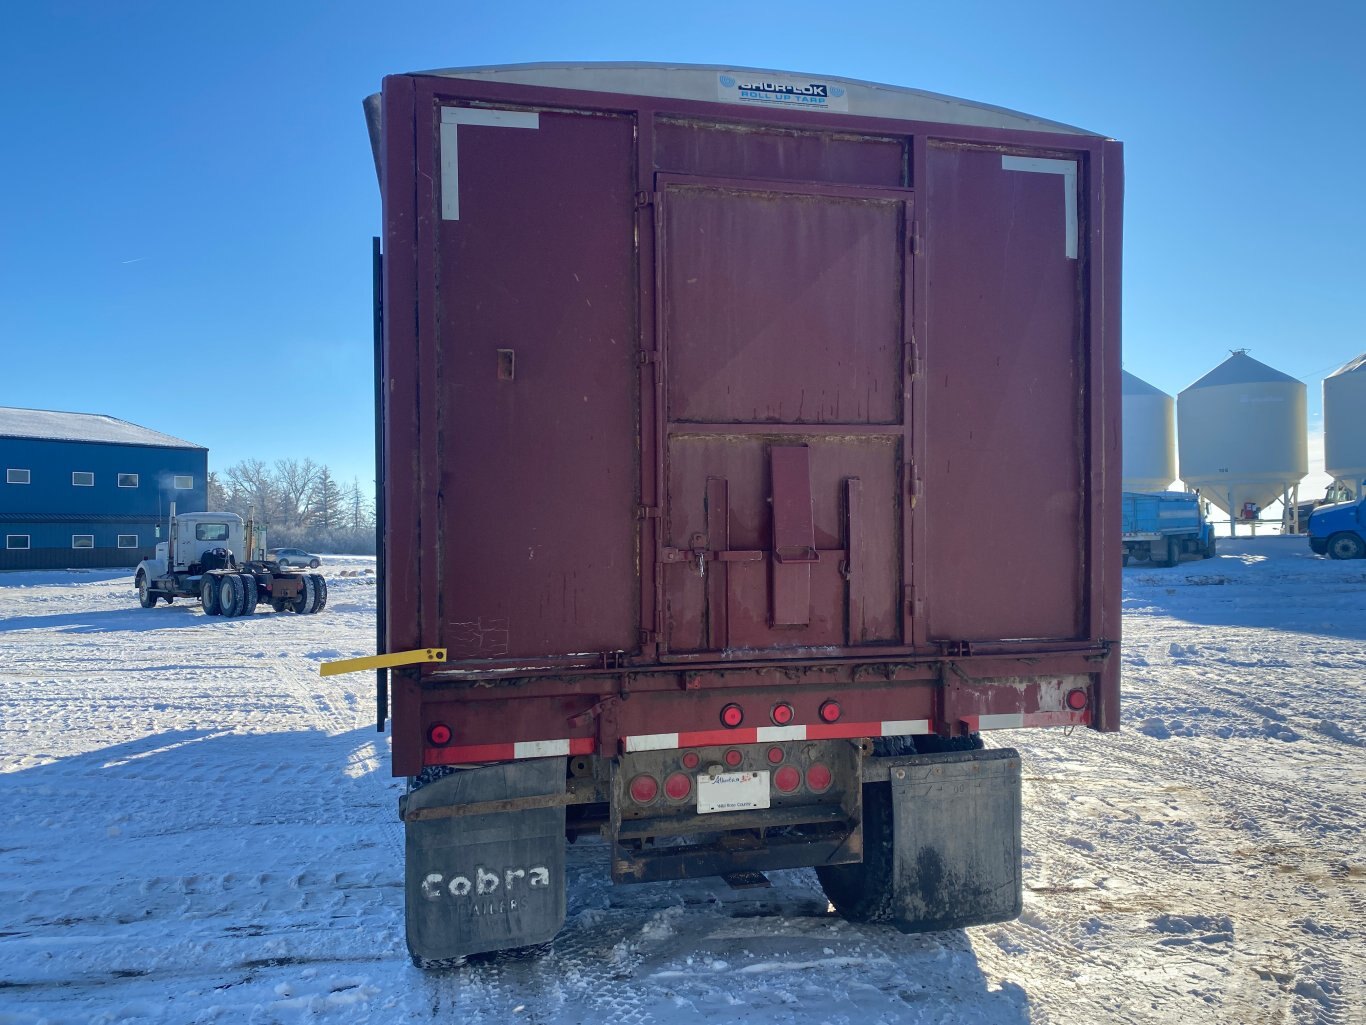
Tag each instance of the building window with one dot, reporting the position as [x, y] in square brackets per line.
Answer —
[184, 483]
[82, 540]
[128, 540]
[82, 479]
[19, 541]
[128, 480]
[16, 477]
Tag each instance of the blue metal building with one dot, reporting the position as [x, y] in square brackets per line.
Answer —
[83, 489]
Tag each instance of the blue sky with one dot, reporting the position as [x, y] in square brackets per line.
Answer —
[189, 196]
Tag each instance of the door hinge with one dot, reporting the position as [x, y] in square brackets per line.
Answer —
[644, 199]
[645, 356]
[647, 512]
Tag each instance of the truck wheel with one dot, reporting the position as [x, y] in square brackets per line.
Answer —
[250, 594]
[320, 590]
[1173, 549]
[308, 596]
[1126, 559]
[208, 596]
[1345, 546]
[1208, 551]
[231, 594]
[279, 604]
[863, 892]
[146, 596]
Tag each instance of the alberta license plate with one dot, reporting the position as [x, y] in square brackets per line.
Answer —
[732, 791]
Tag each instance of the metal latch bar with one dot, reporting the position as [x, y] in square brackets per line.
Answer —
[386, 661]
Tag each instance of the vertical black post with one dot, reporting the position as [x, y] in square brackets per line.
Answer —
[381, 633]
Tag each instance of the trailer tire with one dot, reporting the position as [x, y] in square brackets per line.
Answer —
[308, 595]
[231, 594]
[863, 892]
[1345, 546]
[208, 596]
[320, 592]
[250, 594]
[146, 596]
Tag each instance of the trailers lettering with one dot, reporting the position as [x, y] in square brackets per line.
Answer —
[485, 883]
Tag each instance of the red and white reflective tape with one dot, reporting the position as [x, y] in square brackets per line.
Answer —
[769, 734]
[509, 752]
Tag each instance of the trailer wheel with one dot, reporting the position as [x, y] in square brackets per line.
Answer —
[208, 596]
[1345, 546]
[308, 596]
[320, 590]
[250, 594]
[863, 892]
[146, 596]
[231, 594]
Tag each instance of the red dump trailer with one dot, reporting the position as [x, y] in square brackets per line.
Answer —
[750, 446]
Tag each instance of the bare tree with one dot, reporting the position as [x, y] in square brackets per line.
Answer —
[250, 487]
[296, 479]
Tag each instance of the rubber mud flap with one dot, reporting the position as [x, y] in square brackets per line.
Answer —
[477, 883]
[957, 827]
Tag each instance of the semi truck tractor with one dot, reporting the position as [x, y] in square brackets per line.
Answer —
[1339, 530]
[684, 374]
[219, 559]
[1162, 526]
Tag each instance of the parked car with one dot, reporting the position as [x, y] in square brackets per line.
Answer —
[293, 557]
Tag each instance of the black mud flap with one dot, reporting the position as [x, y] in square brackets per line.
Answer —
[477, 883]
[957, 848]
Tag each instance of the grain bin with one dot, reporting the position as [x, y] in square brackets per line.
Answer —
[1344, 424]
[1242, 436]
[1149, 436]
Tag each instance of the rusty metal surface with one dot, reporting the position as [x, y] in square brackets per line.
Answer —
[587, 375]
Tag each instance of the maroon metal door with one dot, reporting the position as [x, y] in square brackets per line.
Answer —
[783, 312]
[536, 366]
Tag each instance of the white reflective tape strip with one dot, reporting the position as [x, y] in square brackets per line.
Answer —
[904, 727]
[540, 748]
[766, 733]
[652, 742]
[451, 119]
[1007, 721]
[1068, 170]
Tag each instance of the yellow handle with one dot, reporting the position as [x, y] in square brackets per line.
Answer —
[394, 658]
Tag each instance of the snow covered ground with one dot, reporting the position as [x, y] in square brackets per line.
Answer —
[195, 827]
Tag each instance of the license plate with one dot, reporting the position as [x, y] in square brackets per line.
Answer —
[732, 791]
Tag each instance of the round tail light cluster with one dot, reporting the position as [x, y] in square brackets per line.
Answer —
[831, 711]
[678, 786]
[1076, 699]
[819, 778]
[775, 755]
[644, 789]
[733, 758]
[439, 734]
[732, 716]
[691, 760]
[782, 714]
[787, 779]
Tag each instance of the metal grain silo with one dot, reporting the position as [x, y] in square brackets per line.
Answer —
[1242, 435]
[1149, 436]
[1344, 424]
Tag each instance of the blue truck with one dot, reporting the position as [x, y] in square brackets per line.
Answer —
[1161, 526]
[1339, 530]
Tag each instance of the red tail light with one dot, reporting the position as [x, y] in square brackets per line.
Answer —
[732, 716]
[831, 711]
[691, 760]
[678, 786]
[439, 735]
[644, 789]
[819, 778]
[782, 714]
[1076, 699]
[787, 779]
[734, 758]
[775, 755]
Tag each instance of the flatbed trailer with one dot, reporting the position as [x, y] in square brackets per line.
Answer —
[698, 388]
